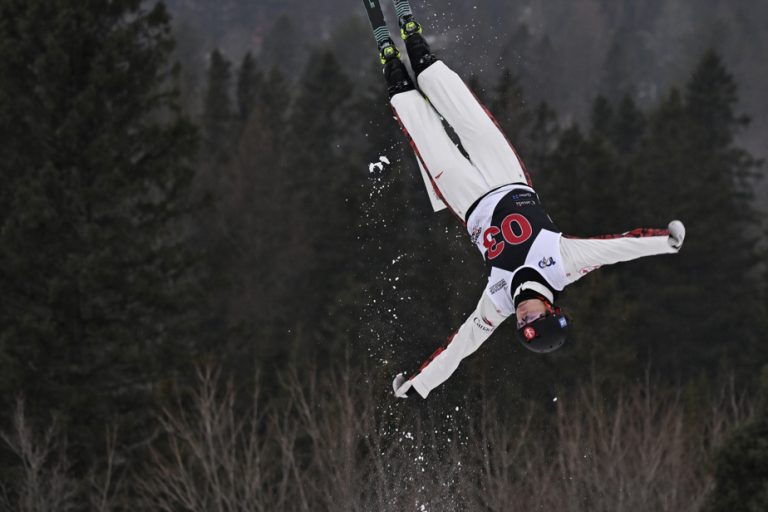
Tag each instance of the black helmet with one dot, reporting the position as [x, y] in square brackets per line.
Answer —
[545, 334]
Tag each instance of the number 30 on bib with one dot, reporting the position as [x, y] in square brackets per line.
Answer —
[515, 229]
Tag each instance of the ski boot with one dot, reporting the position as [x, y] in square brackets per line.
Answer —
[395, 72]
[388, 51]
[418, 49]
[409, 27]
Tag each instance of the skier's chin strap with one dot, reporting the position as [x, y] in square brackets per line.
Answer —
[534, 287]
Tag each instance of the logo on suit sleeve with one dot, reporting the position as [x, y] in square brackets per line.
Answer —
[498, 286]
[547, 262]
[475, 235]
[483, 325]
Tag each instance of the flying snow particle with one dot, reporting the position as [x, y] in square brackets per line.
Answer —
[383, 160]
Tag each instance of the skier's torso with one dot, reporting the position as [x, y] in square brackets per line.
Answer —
[513, 231]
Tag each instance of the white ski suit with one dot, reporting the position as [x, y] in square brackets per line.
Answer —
[491, 193]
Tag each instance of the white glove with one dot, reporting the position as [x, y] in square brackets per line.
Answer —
[401, 385]
[676, 234]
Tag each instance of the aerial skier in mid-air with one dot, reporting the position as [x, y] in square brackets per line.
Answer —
[490, 192]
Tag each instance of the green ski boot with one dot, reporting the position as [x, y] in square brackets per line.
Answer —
[409, 27]
[388, 51]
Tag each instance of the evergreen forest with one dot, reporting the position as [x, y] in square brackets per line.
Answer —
[213, 265]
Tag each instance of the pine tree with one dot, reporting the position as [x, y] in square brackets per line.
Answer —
[249, 295]
[275, 99]
[543, 135]
[218, 112]
[711, 96]
[249, 81]
[579, 183]
[689, 168]
[246, 241]
[94, 265]
[724, 175]
[319, 210]
[510, 110]
[629, 127]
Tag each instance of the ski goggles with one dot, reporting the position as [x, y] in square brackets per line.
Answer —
[529, 318]
[532, 317]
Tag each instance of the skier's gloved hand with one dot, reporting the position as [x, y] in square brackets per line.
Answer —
[402, 386]
[676, 234]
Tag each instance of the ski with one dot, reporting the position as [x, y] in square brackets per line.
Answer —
[378, 24]
[403, 11]
[408, 25]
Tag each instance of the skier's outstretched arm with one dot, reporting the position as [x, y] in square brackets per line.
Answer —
[441, 365]
[581, 256]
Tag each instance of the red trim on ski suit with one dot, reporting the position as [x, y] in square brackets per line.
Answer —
[511, 146]
[436, 353]
[429, 173]
[635, 233]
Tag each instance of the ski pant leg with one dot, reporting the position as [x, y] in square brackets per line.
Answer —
[486, 144]
[456, 180]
